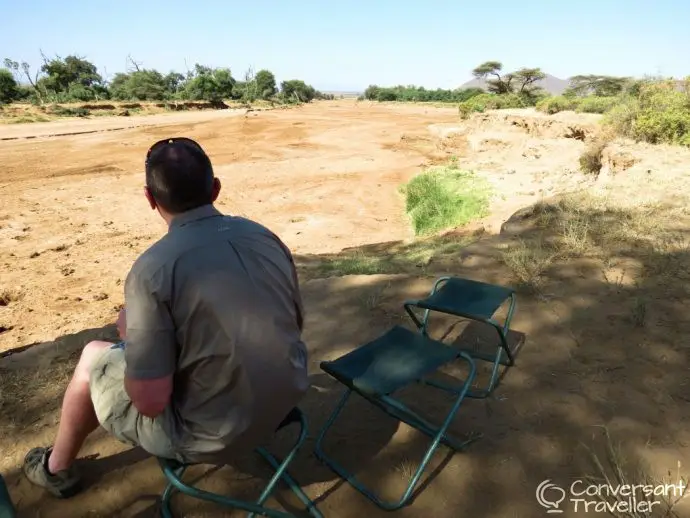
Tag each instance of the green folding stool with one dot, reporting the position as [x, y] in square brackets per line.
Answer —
[6, 507]
[476, 301]
[379, 368]
[174, 471]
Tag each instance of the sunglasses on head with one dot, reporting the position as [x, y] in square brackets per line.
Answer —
[175, 140]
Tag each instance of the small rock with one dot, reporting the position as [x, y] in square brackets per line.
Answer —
[100, 296]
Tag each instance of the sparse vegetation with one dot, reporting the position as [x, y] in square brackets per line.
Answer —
[529, 261]
[419, 94]
[615, 470]
[445, 197]
[557, 103]
[591, 158]
[399, 257]
[590, 104]
[7, 296]
[657, 112]
[483, 102]
[598, 85]
[74, 79]
[519, 89]
[596, 104]
[582, 225]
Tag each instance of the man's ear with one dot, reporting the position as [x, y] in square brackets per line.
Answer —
[150, 198]
[216, 189]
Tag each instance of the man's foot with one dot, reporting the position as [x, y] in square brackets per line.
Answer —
[62, 484]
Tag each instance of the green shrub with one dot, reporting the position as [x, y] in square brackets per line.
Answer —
[660, 113]
[483, 102]
[671, 126]
[596, 104]
[621, 118]
[445, 197]
[385, 96]
[557, 104]
[62, 111]
[9, 89]
[419, 94]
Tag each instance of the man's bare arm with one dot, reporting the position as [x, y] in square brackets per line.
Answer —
[150, 397]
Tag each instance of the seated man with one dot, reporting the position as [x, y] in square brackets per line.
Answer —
[212, 358]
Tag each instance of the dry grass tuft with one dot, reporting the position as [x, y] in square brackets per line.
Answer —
[586, 226]
[7, 296]
[591, 158]
[528, 261]
[614, 471]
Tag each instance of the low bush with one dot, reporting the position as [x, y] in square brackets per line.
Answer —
[483, 102]
[418, 94]
[596, 104]
[63, 111]
[557, 103]
[445, 197]
[590, 160]
[660, 113]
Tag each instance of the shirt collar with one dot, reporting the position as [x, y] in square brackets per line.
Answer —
[203, 212]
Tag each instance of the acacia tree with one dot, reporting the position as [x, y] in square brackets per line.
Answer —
[523, 80]
[499, 85]
[15, 67]
[526, 79]
[597, 84]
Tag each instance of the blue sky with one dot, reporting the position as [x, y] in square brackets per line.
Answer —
[349, 45]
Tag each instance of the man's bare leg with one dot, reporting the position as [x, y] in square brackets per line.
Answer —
[78, 418]
[51, 468]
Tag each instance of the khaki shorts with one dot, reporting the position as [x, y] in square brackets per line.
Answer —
[115, 410]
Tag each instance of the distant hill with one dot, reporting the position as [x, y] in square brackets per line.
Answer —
[552, 84]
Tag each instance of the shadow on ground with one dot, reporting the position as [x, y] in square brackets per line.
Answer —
[606, 345]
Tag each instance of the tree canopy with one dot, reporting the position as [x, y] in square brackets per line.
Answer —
[74, 78]
[603, 86]
[522, 81]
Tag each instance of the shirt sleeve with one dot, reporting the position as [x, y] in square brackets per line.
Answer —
[297, 297]
[151, 350]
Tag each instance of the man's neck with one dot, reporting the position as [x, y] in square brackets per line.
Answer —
[189, 216]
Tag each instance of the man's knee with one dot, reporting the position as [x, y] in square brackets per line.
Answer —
[91, 352]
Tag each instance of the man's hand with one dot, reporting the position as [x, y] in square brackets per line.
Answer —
[122, 323]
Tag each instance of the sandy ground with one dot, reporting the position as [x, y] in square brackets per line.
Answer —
[73, 213]
[325, 178]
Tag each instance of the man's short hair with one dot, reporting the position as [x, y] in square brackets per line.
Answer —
[179, 176]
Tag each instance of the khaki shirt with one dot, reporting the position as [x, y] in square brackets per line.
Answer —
[216, 303]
